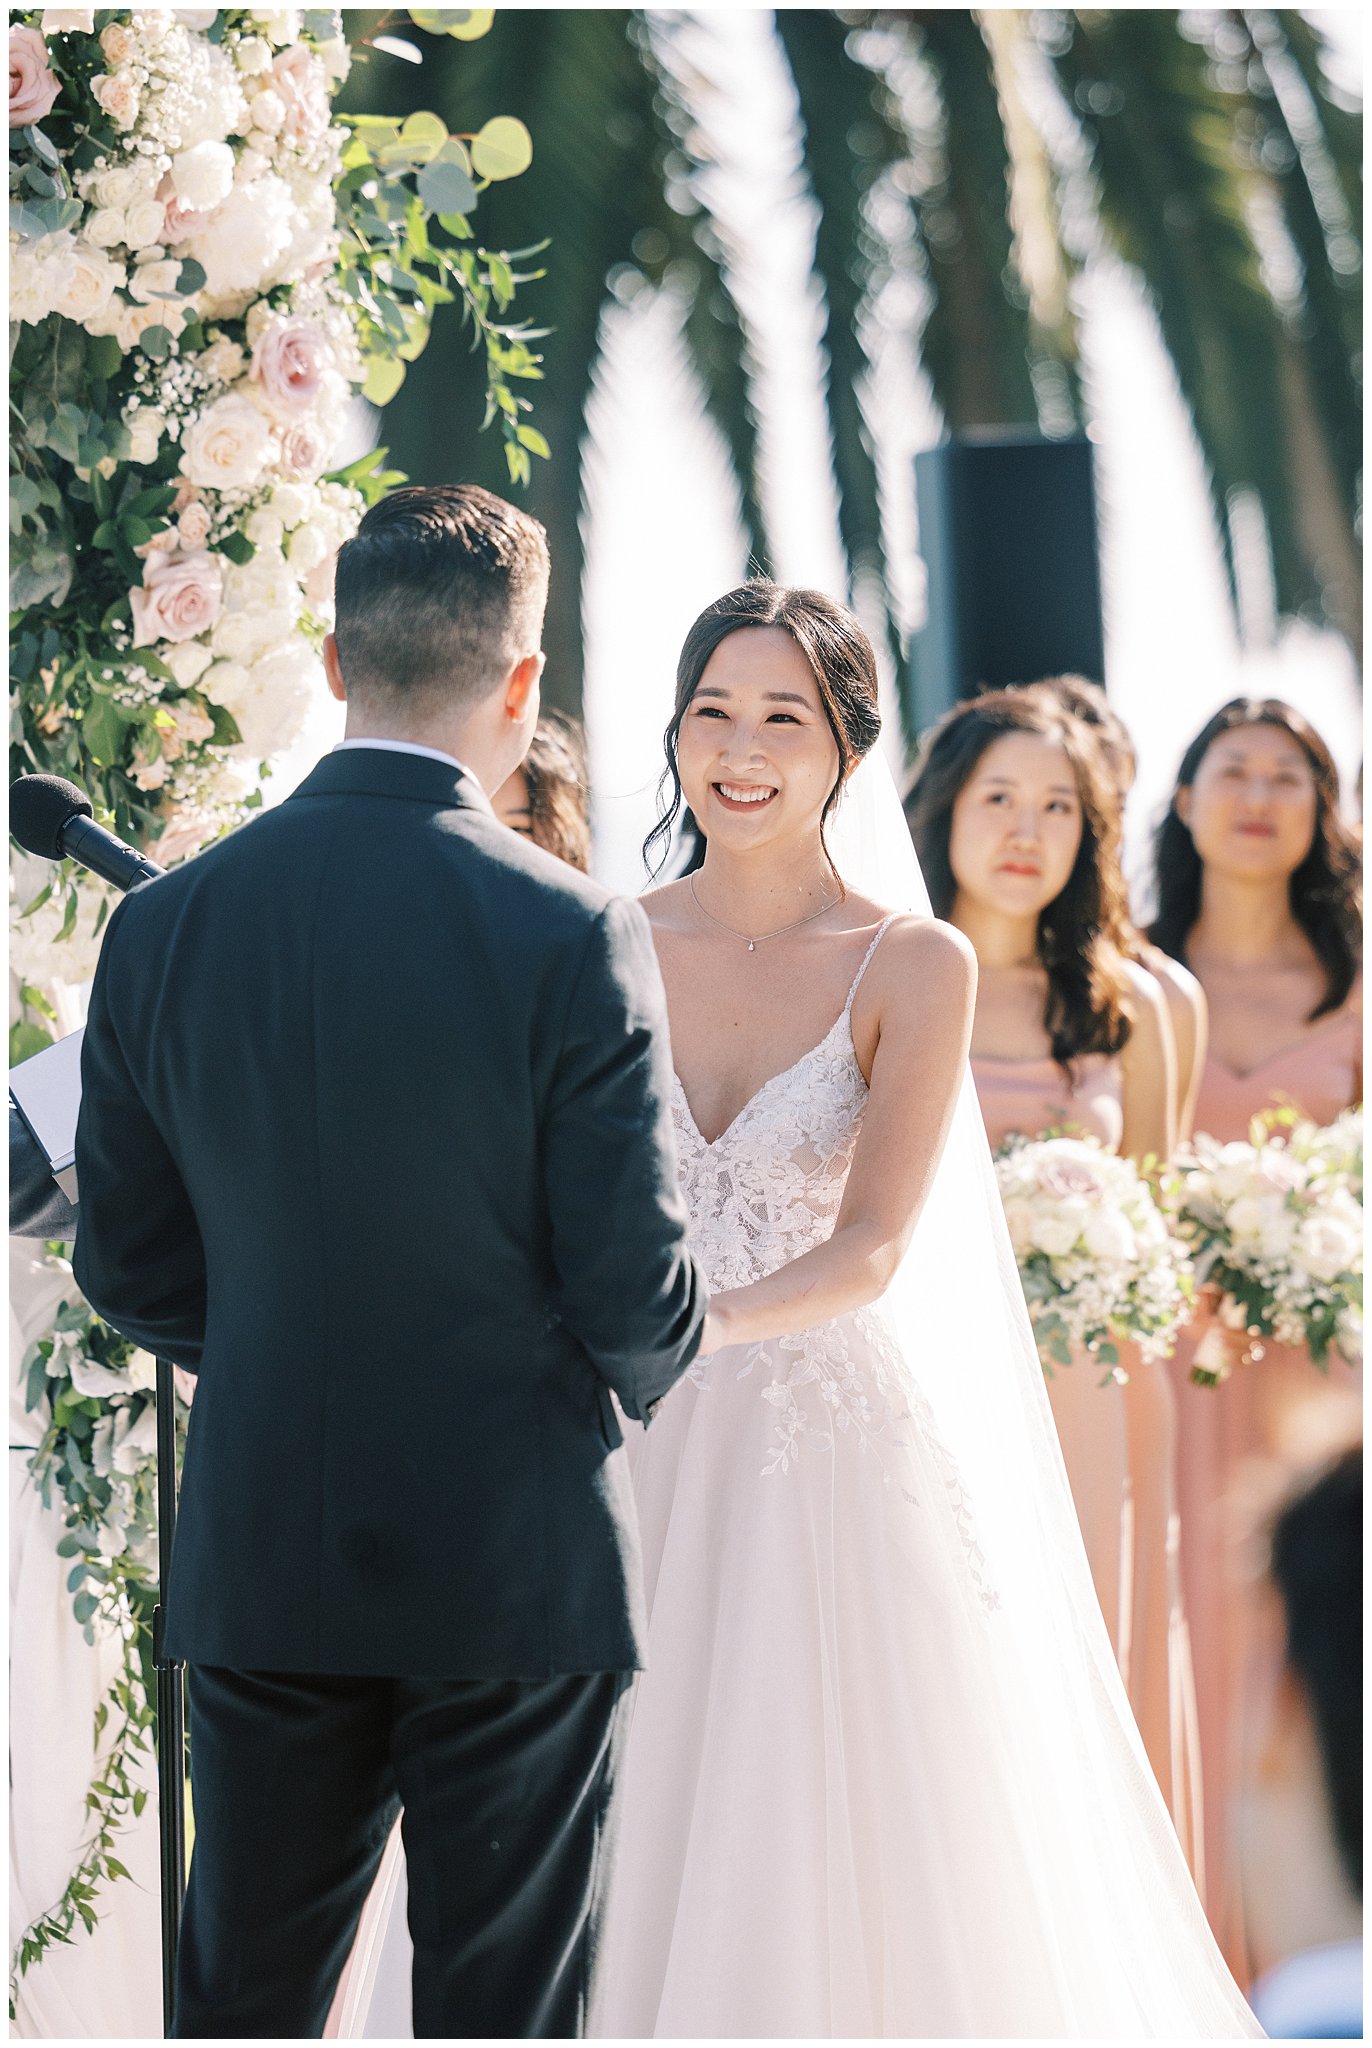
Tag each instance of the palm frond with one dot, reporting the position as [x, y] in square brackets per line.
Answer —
[1341, 125]
[849, 137]
[1171, 197]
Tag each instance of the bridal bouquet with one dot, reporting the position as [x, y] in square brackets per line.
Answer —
[1276, 1225]
[1096, 1259]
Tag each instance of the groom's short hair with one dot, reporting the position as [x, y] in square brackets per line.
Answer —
[441, 590]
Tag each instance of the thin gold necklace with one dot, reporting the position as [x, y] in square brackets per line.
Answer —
[761, 936]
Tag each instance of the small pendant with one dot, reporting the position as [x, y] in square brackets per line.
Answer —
[750, 945]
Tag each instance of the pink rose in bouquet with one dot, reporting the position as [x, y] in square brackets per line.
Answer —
[182, 596]
[33, 83]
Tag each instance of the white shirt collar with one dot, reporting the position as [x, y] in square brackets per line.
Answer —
[429, 753]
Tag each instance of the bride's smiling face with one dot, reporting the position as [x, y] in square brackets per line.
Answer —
[755, 752]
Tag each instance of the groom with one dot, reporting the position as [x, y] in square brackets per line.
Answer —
[374, 1138]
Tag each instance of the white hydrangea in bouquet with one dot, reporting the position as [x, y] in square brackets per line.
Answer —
[1274, 1225]
[1097, 1262]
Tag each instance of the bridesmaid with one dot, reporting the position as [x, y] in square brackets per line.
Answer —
[1160, 1675]
[1257, 891]
[1017, 830]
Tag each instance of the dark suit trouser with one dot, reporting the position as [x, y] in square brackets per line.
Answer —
[296, 1782]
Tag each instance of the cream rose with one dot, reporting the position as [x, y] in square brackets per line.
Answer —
[228, 447]
[146, 426]
[223, 361]
[117, 93]
[145, 223]
[1328, 1245]
[182, 596]
[117, 44]
[1108, 1235]
[33, 83]
[40, 272]
[1054, 1235]
[292, 361]
[105, 228]
[203, 176]
[188, 661]
[118, 187]
[157, 280]
[93, 281]
[307, 549]
[68, 21]
[253, 56]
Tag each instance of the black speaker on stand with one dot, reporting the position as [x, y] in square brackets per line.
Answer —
[1007, 531]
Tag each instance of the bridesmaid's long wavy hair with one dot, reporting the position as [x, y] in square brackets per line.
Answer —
[1084, 933]
[1325, 891]
[841, 661]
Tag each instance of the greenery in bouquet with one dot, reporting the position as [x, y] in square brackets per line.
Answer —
[1097, 1262]
[1275, 1225]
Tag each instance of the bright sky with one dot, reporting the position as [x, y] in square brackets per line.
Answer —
[664, 536]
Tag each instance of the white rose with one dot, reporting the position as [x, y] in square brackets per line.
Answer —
[156, 280]
[1327, 1245]
[1277, 1234]
[226, 681]
[246, 238]
[279, 25]
[251, 163]
[146, 427]
[1054, 1235]
[144, 223]
[1019, 1218]
[230, 640]
[1247, 1215]
[307, 550]
[117, 43]
[117, 93]
[337, 58]
[268, 112]
[68, 21]
[187, 661]
[263, 528]
[291, 503]
[105, 228]
[253, 55]
[128, 324]
[203, 175]
[228, 447]
[193, 524]
[222, 361]
[93, 281]
[1108, 1235]
[197, 19]
[118, 187]
[41, 272]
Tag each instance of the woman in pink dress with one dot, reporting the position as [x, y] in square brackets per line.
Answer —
[1257, 890]
[1017, 829]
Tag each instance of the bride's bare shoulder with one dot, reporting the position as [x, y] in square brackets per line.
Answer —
[927, 957]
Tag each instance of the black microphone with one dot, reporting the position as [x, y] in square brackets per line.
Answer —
[49, 816]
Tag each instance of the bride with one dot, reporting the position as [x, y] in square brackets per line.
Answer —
[881, 1778]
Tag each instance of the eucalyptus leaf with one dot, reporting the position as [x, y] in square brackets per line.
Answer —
[385, 375]
[503, 149]
[445, 188]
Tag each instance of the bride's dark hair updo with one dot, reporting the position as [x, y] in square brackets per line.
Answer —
[841, 661]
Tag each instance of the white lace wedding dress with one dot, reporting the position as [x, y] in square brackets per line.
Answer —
[874, 1785]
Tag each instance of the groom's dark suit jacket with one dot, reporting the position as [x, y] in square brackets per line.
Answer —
[374, 1138]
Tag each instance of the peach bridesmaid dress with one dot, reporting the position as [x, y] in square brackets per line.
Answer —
[1119, 1447]
[1241, 1444]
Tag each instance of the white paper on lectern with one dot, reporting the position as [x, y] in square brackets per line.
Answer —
[47, 1089]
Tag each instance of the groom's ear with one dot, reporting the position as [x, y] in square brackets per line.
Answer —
[333, 673]
[521, 684]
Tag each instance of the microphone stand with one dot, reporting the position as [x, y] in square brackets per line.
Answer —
[171, 1705]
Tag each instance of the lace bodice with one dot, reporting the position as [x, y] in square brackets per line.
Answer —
[769, 1187]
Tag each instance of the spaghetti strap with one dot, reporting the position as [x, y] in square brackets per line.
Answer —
[867, 959]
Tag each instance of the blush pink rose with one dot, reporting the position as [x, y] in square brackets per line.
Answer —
[301, 84]
[304, 452]
[291, 359]
[1061, 1179]
[193, 526]
[182, 595]
[179, 222]
[33, 84]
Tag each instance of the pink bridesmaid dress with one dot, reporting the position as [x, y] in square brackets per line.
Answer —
[1241, 1444]
[1119, 1447]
